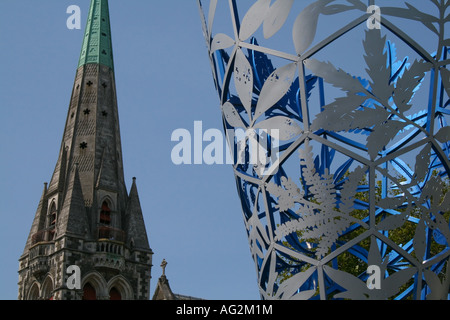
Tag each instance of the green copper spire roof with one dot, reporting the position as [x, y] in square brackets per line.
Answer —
[97, 44]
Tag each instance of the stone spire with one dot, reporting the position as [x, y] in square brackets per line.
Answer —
[92, 133]
[39, 219]
[73, 217]
[135, 227]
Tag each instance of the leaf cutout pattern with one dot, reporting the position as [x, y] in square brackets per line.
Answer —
[305, 26]
[353, 111]
[356, 289]
[443, 135]
[423, 160]
[392, 222]
[445, 75]
[287, 196]
[382, 134]
[211, 15]
[374, 257]
[338, 8]
[419, 240]
[349, 189]
[408, 84]
[439, 291]
[391, 285]
[275, 87]
[276, 17]
[337, 77]
[432, 203]
[221, 41]
[287, 128]
[232, 116]
[319, 218]
[243, 79]
[377, 69]
[253, 19]
[339, 115]
[289, 287]
[412, 13]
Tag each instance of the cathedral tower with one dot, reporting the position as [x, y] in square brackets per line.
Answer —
[85, 217]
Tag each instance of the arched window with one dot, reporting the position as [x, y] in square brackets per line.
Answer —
[114, 294]
[47, 289]
[52, 221]
[34, 292]
[119, 288]
[105, 214]
[89, 292]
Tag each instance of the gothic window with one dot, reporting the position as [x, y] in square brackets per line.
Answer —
[105, 214]
[89, 292]
[47, 289]
[51, 221]
[34, 292]
[114, 294]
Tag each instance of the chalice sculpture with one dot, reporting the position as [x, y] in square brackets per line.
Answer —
[342, 161]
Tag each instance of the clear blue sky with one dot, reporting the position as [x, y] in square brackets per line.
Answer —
[163, 77]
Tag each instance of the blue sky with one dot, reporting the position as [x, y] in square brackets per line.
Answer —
[164, 82]
[163, 78]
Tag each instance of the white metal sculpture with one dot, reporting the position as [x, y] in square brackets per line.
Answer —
[354, 204]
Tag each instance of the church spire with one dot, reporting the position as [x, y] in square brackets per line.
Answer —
[135, 227]
[92, 132]
[97, 44]
[72, 217]
[85, 216]
[38, 226]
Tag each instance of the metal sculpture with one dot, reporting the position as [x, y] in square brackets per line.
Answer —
[349, 187]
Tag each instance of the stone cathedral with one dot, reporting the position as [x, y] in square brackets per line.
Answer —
[85, 217]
